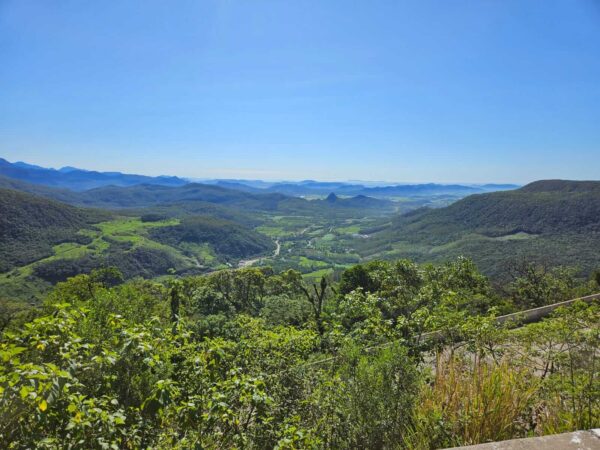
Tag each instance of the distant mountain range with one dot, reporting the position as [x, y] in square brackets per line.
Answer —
[48, 233]
[197, 198]
[309, 188]
[76, 179]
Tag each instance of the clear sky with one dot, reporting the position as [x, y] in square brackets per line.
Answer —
[414, 91]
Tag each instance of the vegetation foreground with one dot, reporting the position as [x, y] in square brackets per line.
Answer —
[250, 358]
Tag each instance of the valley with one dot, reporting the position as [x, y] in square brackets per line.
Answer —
[157, 231]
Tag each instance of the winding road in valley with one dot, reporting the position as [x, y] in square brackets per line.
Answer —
[251, 262]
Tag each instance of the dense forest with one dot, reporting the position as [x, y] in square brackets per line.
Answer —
[30, 226]
[226, 237]
[553, 222]
[251, 358]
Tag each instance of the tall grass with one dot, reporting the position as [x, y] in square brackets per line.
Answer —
[543, 378]
[471, 401]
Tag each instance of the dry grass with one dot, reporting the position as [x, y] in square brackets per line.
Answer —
[473, 401]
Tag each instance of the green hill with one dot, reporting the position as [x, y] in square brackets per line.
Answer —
[43, 241]
[554, 222]
[227, 238]
[564, 186]
[30, 226]
[539, 208]
[152, 246]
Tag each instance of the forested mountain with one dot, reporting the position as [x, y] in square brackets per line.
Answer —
[78, 179]
[563, 186]
[541, 207]
[203, 226]
[146, 195]
[160, 248]
[30, 226]
[227, 238]
[153, 229]
[42, 239]
[195, 197]
[554, 221]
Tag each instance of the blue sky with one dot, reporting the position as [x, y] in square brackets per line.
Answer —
[414, 91]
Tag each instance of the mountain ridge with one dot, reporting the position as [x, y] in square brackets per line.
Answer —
[78, 179]
[550, 221]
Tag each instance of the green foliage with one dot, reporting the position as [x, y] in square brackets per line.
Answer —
[538, 379]
[564, 351]
[251, 358]
[366, 401]
[32, 225]
[136, 262]
[407, 300]
[61, 388]
[535, 286]
[227, 238]
[362, 276]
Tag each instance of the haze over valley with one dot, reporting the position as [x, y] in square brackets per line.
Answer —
[156, 226]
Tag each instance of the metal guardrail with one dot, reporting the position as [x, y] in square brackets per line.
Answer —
[536, 314]
[521, 317]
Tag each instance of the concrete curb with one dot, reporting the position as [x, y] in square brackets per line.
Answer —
[578, 440]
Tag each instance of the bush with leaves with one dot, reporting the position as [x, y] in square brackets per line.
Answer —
[254, 359]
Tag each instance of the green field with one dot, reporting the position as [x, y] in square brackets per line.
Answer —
[20, 281]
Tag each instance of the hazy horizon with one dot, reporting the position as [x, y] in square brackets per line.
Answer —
[265, 180]
[418, 91]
